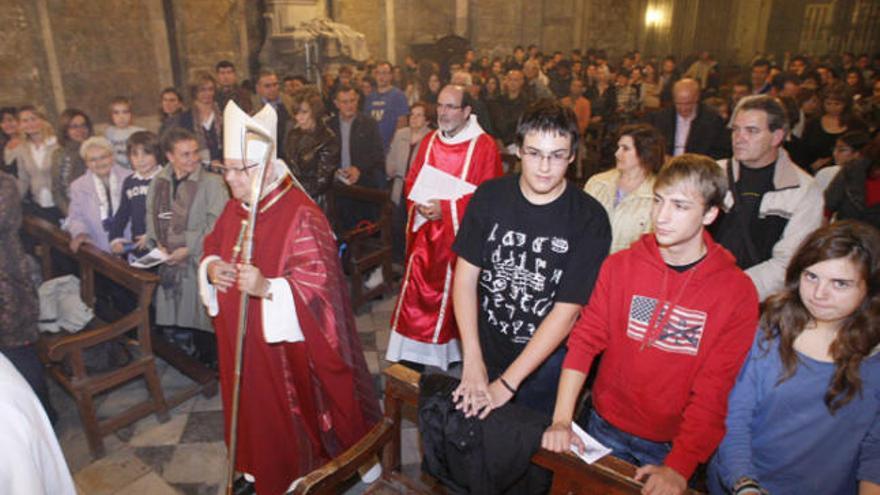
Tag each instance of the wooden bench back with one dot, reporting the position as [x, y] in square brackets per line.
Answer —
[608, 475]
[90, 259]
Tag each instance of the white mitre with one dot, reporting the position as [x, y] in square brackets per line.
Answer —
[235, 122]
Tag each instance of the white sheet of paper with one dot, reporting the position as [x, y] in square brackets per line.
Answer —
[151, 259]
[593, 450]
[433, 183]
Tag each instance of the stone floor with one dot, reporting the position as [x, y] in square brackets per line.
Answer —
[186, 455]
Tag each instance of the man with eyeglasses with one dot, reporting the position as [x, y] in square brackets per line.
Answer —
[423, 329]
[306, 392]
[529, 251]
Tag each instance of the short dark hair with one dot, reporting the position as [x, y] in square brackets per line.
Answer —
[857, 140]
[224, 64]
[296, 78]
[265, 73]
[175, 135]
[777, 117]
[547, 115]
[146, 140]
[343, 88]
[761, 62]
[649, 143]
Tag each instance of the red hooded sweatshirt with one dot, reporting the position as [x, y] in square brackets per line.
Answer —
[665, 376]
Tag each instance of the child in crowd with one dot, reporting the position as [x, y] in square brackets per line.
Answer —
[143, 153]
[803, 415]
[121, 130]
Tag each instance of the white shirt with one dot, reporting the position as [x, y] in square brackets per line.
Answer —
[682, 130]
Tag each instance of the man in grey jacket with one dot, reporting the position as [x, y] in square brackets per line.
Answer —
[772, 204]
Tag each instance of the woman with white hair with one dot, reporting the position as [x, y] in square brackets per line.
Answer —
[95, 196]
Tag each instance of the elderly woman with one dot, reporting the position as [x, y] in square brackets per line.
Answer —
[74, 127]
[312, 148]
[19, 306]
[627, 190]
[33, 152]
[403, 149]
[95, 196]
[204, 119]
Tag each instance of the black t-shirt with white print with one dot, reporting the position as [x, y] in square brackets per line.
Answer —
[530, 256]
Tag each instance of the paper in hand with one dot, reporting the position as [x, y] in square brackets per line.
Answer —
[593, 450]
[155, 257]
[435, 184]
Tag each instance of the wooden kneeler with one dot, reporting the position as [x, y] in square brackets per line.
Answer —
[607, 476]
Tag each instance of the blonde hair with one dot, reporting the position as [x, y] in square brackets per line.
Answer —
[700, 171]
[47, 129]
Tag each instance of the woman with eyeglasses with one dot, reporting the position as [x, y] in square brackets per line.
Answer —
[74, 127]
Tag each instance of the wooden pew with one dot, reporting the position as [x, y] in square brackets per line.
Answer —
[607, 476]
[368, 250]
[63, 353]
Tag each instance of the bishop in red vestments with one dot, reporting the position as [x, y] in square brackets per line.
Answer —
[306, 393]
[423, 328]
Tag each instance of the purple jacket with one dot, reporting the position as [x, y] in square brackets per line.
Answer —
[85, 206]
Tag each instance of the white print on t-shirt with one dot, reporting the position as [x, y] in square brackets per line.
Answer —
[519, 287]
[681, 333]
[138, 191]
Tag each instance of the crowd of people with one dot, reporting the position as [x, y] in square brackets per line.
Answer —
[712, 234]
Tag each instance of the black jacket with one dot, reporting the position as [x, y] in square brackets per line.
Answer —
[846, 194]
[483, 457]
[365, 146]
[708, 134]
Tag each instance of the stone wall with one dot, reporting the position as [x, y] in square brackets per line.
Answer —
[368, 17]
[104, 49]
[24, 74]
[82, 53]
[209, 31]
[496, 26]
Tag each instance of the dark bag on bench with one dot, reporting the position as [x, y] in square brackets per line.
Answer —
[469, 455]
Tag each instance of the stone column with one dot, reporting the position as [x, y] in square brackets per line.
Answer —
[461, 18]
[577, 39]
[161, 50]
[390, 33]
[51, 56]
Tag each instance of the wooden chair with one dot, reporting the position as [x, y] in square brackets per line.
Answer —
[63, 353]
[368, 249]
[607, 476]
